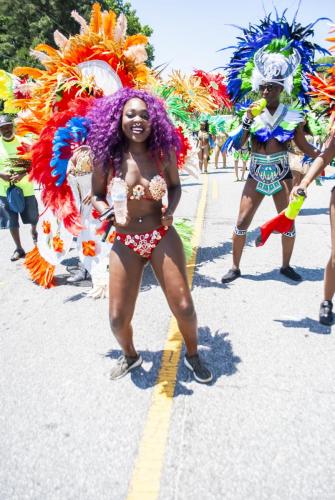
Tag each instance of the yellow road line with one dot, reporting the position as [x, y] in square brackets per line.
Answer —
[145, 482]
[215, 190]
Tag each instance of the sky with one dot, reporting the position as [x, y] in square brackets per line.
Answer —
[189, 33]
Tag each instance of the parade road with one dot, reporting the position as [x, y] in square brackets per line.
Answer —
[263, 429]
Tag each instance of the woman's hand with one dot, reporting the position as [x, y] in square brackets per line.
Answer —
[167, 219]
[6, 177]
[295, 191]
[249, 112]
[88, 199]
[125, 224]
[16, 177]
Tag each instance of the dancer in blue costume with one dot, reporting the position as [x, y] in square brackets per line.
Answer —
[269, 58]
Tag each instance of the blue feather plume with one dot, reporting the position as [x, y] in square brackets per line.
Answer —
[74, 132]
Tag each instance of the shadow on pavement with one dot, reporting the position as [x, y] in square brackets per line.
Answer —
[218, 171]
[202, 281]
[311, 324]
[216, 350]
[307, 275]
[314, 211]
[188, 184]
[61, 280]
[211, 254]
[75, 298]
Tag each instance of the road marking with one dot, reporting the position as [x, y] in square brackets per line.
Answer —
[145, 482]
[215, 189]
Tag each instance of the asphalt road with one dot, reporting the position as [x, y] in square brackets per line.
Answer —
[264, 429]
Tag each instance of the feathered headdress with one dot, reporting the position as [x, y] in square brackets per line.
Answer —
[95, 62]
[323, 88]
[215, 83]
[273, 51]
[191, 90]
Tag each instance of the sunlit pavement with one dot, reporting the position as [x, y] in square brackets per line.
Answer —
[264, 429]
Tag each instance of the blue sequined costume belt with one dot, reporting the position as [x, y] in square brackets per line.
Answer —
[268, 171]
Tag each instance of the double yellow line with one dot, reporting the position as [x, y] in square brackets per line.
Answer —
[145, 482]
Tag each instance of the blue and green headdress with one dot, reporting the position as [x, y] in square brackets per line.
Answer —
[273, 51]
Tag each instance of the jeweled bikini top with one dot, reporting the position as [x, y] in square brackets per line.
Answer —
[155, 191]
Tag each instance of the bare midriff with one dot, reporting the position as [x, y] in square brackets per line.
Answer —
[203, 139]
[268, 147]
[147, 211]
[220, 139]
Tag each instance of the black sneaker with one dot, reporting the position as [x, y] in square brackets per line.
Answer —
[200, 372]
[123, 365]
[231, 275]
[290, 273]
[326, 312]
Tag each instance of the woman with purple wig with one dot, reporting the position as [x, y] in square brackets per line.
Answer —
[134, 145]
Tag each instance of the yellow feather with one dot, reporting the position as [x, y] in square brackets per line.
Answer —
[109, 21]
[43, 47]
[135, 40]
[95, 22]
[25, 70]
[191, 91]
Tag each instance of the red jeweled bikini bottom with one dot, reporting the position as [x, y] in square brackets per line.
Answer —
[143, 243]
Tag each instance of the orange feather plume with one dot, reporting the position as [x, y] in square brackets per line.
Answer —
[41, 271]
[104, 38]
[323, 88]
[96, 18]
[26, 70]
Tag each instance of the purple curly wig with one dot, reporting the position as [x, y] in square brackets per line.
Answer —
[106, 137]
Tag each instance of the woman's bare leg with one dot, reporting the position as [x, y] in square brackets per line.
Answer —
[201, 158]
[125, 274]
[236, 169]
[281, 200]
[205, 157]
[216, 156]
[250, 202]
[244, 168]
[224, 158]
[297, 177]
[168, 263]
[329, 279]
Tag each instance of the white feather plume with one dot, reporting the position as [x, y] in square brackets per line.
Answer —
[120, 28]
[40, 56]
[77, 17]
[60, 39]
[137, 53]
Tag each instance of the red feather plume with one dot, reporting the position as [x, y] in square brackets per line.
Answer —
[216, 86]
[59, 199]
[184, 149]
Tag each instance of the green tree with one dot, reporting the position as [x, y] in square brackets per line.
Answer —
[25, 24]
